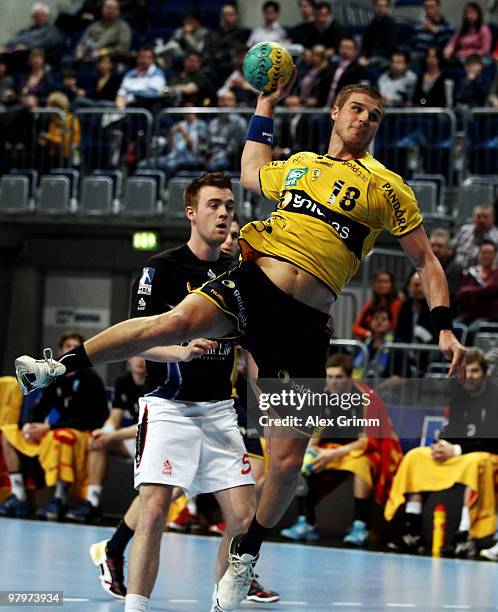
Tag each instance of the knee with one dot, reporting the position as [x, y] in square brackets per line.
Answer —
[286, 468]
[152, 513]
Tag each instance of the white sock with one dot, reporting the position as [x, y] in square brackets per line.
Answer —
[94, 494]
[192, 506]
[61, 491]
[413, 507]
[464, 520]
[136, 603]
[17, 486]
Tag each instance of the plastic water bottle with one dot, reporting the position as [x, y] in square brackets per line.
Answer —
[438, 530]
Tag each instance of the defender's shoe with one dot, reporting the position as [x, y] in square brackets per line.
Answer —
[261, 595]
[53, 511]
[234, 585]
[111, 574]
[491, 554]
[37, 373]
[407, 543]
[13, 507]
[85, 513]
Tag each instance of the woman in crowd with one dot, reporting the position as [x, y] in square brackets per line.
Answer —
[429, 89]
[38, 81]
[472, 38]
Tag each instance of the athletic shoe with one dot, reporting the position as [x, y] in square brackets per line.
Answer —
[183, 522]
[261, 595]
[218, 529]
[407, 543]
[13, 507]
[301, 531]
[53, 511]
[358, 534]
[111, 574]
[490, 553]
[234, 585]
[463, 546]
[85, 513]
[36, 373]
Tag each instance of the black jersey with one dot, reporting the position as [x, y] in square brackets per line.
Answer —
[126, 395]
[162, 284]
[77, 400]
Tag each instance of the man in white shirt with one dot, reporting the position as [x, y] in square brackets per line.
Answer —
[271, 30]
[144, 81]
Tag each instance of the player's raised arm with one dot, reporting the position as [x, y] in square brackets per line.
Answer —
[259, 138]
[416, 246]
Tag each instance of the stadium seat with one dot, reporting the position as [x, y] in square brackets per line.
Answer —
[472, 195]
[426, 194]
[73, 176]
[486, 341]
[160, 178]
[32, 176]
[96, 196]
[14, 194]
[55, 195]
[141, 196]
[175, 208]
[116, 177]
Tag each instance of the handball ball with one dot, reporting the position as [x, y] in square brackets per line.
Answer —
[308, 460]
[265, 63]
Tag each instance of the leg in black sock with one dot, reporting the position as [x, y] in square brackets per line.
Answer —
[252, 540]
[116, 546]
[361, 509]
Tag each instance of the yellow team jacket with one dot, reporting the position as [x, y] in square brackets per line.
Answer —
[329, 214]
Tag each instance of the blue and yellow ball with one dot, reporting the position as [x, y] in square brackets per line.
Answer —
[265, 63]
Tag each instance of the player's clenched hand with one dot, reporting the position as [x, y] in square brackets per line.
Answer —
[197, 348]
[452, 350]
[100, 439]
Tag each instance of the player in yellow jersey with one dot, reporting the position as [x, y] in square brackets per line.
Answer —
[277, 301]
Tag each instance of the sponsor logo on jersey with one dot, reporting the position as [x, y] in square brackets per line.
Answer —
[294, 176]
[218, 296]
[392, 198]
[316, 174]
[141, 304]
[145, 282]
[167, 468]
[211, 274]
[351, 232]
[356, 170]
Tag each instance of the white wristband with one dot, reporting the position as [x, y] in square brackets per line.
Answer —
[457, 450]
[108, 428]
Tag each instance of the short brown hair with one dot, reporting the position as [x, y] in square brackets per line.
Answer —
[69, 335]
[209, 179]
[476, 356]
[368, 90]
[341, 360]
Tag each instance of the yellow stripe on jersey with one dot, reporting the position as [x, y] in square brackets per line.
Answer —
[330, 213]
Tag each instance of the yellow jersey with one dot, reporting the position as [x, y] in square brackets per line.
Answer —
[329, 214]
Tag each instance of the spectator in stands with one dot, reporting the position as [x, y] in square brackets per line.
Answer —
[57, 433]
[38, 81]
[109, 35]
[441, 247]
[371, 455]
[477, 295]
[472, 38]
[70, 85]
[398, 83]
[326, 30]
[460, 455]
[78, 14]
[105, 87]
[271, 30]
[473, 89]
[192, 84]
[430, 87]
[380, 39]
[225, 42]
[40, 35]
[380, 363]
[185, 147]
[145, 82]
[116, 436]
[384, 293]
[226, 134]
[433, 31]
[470, 235]
[8, 94]
[301, 33]
[236, 82]
[191, 37]
[345, 71]
[62, 134]
[414, 321]
[315, 82]
[291, 131]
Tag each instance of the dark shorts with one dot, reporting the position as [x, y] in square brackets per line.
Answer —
[285, 337]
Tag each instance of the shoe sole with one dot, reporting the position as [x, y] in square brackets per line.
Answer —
[98, 561]
[263, 599]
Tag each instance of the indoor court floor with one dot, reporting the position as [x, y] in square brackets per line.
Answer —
[50, 556]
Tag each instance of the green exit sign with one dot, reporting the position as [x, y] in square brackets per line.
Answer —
[145, 241]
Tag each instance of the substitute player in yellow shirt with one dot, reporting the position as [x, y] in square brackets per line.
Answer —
[277, 301]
